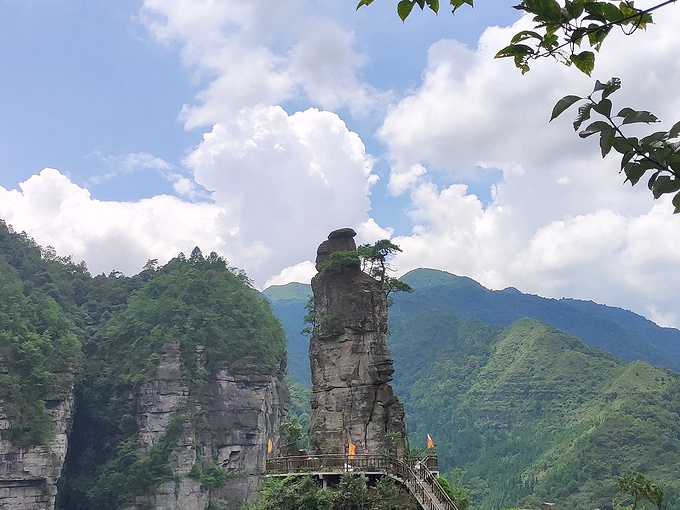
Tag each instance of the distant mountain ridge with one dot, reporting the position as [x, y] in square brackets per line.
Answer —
[615, 330]
[620, 332]
[510, 395]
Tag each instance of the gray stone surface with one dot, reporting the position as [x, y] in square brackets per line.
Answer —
[245, 411]
[28, 476]
[351, 366]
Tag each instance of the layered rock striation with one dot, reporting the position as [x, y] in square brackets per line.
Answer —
[28, 476]
[352, 401]
[230, 431]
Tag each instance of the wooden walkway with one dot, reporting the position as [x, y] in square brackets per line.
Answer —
[420, 478]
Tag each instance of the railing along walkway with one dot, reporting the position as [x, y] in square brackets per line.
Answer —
[416, 476]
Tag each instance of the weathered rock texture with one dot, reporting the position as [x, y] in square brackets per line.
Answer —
[352, 400]
[232, 431]
[28, 477]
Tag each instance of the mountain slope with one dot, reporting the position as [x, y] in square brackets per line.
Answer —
[542, 417]
[288, 303]
[620, 332]
[530, 412]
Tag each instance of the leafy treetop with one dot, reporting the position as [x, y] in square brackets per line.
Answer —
[637, 486]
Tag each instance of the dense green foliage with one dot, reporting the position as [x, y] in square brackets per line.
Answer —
[352, 493]
[542, 417]
[192, 303]
[50, 306]
[38, 356]
[532, 414]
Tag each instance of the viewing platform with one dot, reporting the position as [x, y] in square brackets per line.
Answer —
[418, 476]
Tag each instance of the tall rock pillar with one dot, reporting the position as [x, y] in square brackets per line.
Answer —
[352, 401]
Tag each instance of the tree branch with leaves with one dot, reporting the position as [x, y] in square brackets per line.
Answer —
[560, 31]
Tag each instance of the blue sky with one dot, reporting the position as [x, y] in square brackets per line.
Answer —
[137, 129]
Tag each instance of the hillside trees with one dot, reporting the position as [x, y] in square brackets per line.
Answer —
[197, 304]
[562, 31]
[39, 353]
[637, 486]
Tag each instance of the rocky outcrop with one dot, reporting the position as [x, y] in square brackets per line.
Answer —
[230, 429]
[352, 401]
[28, 476]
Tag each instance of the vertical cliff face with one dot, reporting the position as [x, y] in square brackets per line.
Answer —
[351, 366]
[229, 430]
[28, 476]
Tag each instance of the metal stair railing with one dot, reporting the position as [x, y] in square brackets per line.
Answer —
[421, 482]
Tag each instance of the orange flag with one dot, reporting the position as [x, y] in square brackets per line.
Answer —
[270, 447]
[430, 443]
[352, 451]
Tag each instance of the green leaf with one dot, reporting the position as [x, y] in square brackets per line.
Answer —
[625, 112]
[593, 128]
[604, 107]
[433, 5]
[610, 87]
[597, 34]
[611, 12]
[627, 156]
[545, 10]
[574, 9]
[633, 172]
[524, 35]
[364, 2]
[621, 144]
[639, 116]
[652, 179]
[676, 203]
[404, 8]
[675, 131]
[584, 61]
[665, 184]
[514, 50]
[577, 35]
[583, 115]
[458, 3]
[562, 105]
[606, 139]
[649, 140]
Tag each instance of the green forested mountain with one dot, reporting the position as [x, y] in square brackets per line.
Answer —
[530, 413]
[288, 303]
[533, 415]
[526, 409]
[39, 354]
[108, 334]
[194, 302]
[620, 332]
